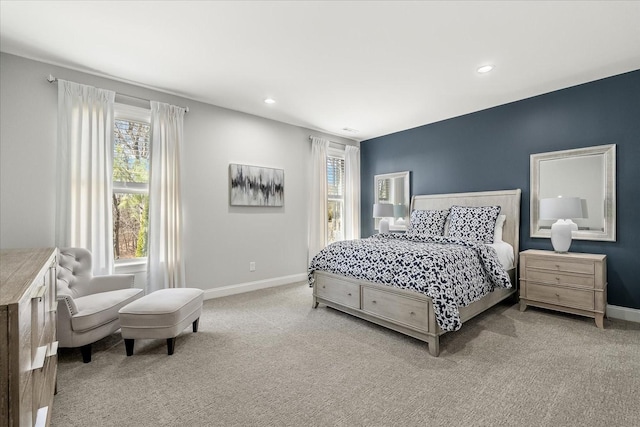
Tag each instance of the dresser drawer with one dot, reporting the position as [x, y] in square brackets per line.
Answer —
[39, 381]
[44, 383]
[27, 417]
[564, 265]
[24, 345]
[39, 315]
[409, 311]
[339, 291]
[587, 281]
[560, 296]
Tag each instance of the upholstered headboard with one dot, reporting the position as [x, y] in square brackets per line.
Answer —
[508, 200]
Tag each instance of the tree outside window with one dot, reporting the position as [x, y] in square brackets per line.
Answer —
[130, 188]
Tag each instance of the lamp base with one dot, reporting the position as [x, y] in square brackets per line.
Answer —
[561, 235]
[383, 226]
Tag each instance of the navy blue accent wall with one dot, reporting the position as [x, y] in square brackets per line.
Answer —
[490, 149]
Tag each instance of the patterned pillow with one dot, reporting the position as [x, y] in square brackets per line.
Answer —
[473, 223]
[428, 223]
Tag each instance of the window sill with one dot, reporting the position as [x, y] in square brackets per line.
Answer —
[130, 266]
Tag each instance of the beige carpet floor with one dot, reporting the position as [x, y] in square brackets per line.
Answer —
[266, 358]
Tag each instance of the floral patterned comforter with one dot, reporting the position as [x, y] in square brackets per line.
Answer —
[452, 272]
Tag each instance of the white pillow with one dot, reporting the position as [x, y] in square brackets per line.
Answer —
[497, 232]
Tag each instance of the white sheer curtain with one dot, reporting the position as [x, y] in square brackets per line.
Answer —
[165, 250]
[352, 193]
[84, 191]
[318, 197]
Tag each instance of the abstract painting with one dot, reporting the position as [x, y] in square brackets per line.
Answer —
[256, 186]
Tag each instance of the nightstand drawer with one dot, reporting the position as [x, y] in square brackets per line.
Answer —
[587, 281]
[560, 296]
[566, 266]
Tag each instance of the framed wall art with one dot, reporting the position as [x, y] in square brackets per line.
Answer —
[255, 186]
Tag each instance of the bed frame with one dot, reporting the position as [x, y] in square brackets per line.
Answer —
[411, 312]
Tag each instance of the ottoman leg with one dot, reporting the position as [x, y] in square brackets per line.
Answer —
[195, 324]
[171, 343]
[128, 344]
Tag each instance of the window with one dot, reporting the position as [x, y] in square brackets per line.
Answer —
[132, 132]
[335, 196]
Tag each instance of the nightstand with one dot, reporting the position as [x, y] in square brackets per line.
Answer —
[569, 282]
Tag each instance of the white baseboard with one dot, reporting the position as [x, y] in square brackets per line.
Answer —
[623, 313]
[239, 288]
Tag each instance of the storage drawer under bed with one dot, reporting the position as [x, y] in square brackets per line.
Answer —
[338, 291]
[408, 311]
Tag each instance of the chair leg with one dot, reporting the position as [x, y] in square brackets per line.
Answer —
[171, 343]
[86, 353]
[195, 324]
[128, 345]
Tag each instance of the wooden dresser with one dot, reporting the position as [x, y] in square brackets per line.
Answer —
[28, 346]
[570, 282]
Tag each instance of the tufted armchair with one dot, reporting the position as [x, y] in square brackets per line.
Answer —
[88, 305]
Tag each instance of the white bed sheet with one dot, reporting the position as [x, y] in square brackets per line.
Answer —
[505, 254]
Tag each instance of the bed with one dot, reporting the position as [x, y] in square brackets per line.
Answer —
[391, 303]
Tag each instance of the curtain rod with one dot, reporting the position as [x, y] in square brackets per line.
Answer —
[52, 79]
[333, 142]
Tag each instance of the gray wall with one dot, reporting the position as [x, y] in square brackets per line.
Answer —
[220, 241]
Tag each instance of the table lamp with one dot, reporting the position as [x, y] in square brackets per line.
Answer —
[563, 209]
[383, 211]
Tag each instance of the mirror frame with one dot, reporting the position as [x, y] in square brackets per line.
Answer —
[407, 197]
[608, 152]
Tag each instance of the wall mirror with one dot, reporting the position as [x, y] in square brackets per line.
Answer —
[588, 173]
[393, 188]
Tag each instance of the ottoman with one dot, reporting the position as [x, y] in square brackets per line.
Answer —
[161, 314]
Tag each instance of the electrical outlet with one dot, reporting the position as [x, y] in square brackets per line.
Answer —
[252, 266]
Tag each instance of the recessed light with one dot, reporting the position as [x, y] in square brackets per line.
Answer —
[485, 69]
[269, 101]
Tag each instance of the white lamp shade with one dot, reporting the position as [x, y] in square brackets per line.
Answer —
[382, 210]
[560, 208]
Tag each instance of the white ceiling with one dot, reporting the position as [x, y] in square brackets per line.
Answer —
[378, 67]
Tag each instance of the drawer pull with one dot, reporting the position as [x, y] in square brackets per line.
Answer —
[39, 292]
[412, 313]
[323, 287]
[349, 294]
[38, 360]
[558, 295]
[374, 301]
